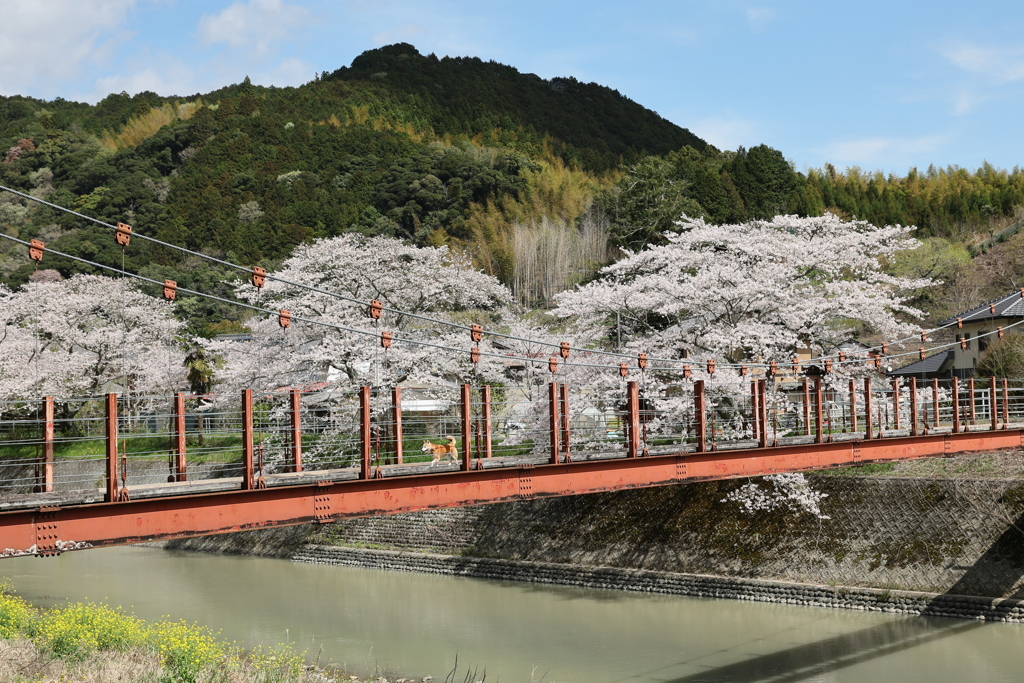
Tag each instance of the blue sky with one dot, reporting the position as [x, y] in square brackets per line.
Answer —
[881, 85]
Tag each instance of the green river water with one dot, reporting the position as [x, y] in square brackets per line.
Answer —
[416, 624]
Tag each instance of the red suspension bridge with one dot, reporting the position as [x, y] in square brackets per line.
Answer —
[298, 457]
[114, 470]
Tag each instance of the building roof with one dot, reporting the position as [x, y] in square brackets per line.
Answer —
[932, 365]
[1007, 306]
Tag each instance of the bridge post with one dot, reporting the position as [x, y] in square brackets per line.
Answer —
[179, 437]
[698, 415]
[248, 481]
[485, 395]
[807, 409]
[955, 387]
[818, 412]
[563, 411]
[633, 419]
[867, 408]
[970, 390]
[554, 423]
[762, 413]
[993, 406]
[46, 464]
[364, 433]
[935, 401]
[913, 406]
[396, 411]
[295, 413]
[111, 405]
[756, 411]
[467, 429]
[895, 402]
[853, 406]
[1006, 403]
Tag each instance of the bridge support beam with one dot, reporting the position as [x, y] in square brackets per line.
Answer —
[248, 464]
[111, 405]
[179, 438]
[295, 413]
[45, 477]
[40, 530]
[553, 422]
[632, 419]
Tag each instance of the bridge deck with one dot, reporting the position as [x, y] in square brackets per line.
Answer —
[50, 523]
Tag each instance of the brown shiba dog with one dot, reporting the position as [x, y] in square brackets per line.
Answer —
[441, 450]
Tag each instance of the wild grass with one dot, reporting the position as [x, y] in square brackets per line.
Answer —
[93, 642]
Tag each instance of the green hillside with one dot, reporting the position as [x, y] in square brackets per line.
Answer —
[456, 151]
[434, 151]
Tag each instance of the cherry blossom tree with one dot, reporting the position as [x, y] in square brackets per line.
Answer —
[85, 335]
[756, 291]
[789, 491]
[433, 282]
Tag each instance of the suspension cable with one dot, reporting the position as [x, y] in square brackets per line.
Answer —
[450, 324]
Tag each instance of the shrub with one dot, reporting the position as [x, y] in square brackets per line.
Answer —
[15, 614]
[185, 649]
[78, 630]
[1004, 358]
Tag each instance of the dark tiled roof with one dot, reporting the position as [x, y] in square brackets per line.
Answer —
[928, 366]
[1007, 306]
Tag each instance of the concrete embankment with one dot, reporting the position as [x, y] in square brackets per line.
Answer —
[615, 578]
[949, 545]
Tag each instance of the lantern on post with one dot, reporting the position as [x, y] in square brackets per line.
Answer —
[35, 250]
[123, 235]
[376, 309]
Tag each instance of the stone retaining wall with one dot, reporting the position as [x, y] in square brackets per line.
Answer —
[871, 600]
[958, 536]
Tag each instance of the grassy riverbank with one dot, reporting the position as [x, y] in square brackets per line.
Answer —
[99, 644]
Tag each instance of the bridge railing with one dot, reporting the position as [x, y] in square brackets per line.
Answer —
[115, 443]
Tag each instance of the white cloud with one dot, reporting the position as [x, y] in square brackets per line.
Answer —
[999, 65]
[46, 44]
[879, 149]
[725, 132]
[759, 17]
[255, 24]
[163, 75]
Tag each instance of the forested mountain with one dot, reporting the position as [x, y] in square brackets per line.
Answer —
[586, 124]
[506, 166]
[397, 144]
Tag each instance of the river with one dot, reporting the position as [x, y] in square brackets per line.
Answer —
[416, 624]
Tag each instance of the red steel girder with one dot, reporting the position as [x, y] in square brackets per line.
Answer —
[116, 523]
